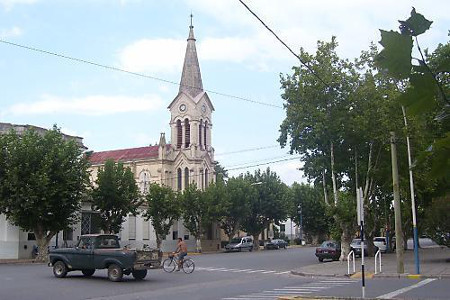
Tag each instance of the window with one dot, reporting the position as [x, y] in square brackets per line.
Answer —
[145, 230]
[200, 133]
[179, 134]
[174, 235]
[201, 180]
[186, 178]
[206, 178]
[282, 227]
[89, 223]
[186, 237]
[132, 227]
[187, 133]
[31, 236]
[107, 242]
[144, 182]
[68, 235]
[179, 180]
[204, 133]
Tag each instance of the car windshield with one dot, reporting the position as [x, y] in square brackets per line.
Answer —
[378, 239]
[327, 244]
[235, 241]
[356, 241]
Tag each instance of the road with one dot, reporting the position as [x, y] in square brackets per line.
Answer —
[228, 276]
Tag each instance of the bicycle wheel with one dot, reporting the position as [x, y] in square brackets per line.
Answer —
[188, 266]
[169, 265]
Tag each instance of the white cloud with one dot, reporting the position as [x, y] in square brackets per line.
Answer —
[155, 56]
[8, 4]
[12, 32]
[90, 105]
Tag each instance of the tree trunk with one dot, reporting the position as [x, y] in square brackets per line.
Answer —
[198, 245]
[158, 241]
[333, 177]
[325, 195]
[255, 242]
[43, 240]
[346, 238]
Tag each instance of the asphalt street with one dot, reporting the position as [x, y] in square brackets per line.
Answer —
[229, 276]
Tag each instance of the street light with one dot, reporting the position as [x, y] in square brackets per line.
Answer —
[300, 228]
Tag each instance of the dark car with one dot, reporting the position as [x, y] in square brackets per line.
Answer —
[276, 244]
[103, 251]
[328, 250]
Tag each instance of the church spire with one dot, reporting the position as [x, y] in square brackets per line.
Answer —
[191, 79]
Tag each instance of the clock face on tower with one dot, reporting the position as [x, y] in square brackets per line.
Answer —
[183, 107]
[203, 108]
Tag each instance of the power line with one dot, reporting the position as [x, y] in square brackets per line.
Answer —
[262, 164]
[247, 150]
[285, 45]
[262, 160]
[89, 62]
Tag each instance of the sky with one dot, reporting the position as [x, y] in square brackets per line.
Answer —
[238, 57]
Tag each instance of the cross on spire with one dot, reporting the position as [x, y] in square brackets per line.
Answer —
[191, 20]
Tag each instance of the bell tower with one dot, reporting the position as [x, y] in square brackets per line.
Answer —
[191, 109]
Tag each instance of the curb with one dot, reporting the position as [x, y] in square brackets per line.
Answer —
[20, 262]
[323, 298]
[387, 275]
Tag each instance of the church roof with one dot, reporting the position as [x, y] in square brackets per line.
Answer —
[125, 154]
[191, 78]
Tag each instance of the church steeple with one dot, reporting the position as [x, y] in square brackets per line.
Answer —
[191, 79]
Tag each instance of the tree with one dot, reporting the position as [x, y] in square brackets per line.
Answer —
[427, 83]
[163, 209]
[195, 213]
[268, 203]
[43, 179]
[115, 196]
[315, 221]
[437, 221]
[229, 203]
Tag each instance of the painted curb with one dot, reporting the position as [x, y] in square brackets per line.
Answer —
[386, 275]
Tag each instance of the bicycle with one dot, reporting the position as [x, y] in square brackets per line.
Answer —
[170, 263]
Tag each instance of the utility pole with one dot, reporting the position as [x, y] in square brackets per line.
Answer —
[413, 202]
[397, 208]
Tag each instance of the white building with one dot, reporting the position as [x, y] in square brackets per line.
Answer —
[188, 159]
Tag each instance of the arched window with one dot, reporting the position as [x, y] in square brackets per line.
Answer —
[179, 182]
[200, 133]
[187, 133]
[144, 182]
[206, 178]
[186, 178]
[179, 134]
[204, 133]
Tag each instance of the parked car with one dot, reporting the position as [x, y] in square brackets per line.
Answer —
[380, 243]
[328, 250]
[275, 244]
[103, 251]
[239, 244]
[355, 245]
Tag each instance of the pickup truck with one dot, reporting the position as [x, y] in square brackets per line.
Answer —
[103, 251]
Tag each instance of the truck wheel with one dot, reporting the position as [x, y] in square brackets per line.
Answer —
[115, 273]
[139, 274]
[88, 272]
[60, 269]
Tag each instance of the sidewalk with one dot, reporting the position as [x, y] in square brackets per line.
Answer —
[434, 263]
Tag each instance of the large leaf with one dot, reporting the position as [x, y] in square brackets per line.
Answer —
[419, 98]
[415, 25]
[396, 55]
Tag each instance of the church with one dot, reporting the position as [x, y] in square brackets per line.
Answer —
[188, 159]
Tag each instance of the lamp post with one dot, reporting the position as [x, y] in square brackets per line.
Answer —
[300, 228]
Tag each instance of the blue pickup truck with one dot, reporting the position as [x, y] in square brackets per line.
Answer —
[103, 251]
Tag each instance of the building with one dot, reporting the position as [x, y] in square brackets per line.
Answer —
[188, 159]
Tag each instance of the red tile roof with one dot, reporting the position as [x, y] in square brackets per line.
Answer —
[124, 154]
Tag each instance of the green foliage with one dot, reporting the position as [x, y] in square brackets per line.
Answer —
[115, 195]
[427, 82]
[163, 209]
[195, 210]
[308, 201]
[270, 203]
[229, 203]
[437, 220]
[43, 179]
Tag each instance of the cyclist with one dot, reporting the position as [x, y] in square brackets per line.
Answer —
[182, 252]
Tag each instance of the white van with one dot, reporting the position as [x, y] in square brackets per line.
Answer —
[240, 243]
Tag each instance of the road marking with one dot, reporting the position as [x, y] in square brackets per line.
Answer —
[255, 271]
[406, 289]
[279, 273]
[244, 270]
[267, 272]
